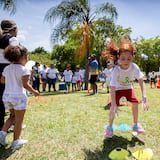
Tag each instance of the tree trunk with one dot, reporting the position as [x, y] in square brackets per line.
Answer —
[87, 67]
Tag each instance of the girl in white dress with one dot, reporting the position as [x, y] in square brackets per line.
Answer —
[16, 79]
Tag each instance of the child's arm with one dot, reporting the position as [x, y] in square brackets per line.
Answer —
[26, 85]
[2, 80]
[144, 97]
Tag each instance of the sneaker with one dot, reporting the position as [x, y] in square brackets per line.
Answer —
[92, 94]
[2, 139]
[137, 128]
[109, 132]
[18, 143]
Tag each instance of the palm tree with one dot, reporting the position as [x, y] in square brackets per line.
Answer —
[72, 13]
[8, 5]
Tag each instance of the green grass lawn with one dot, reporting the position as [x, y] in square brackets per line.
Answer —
[71, 127]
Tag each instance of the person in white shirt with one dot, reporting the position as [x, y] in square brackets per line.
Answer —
[82, 73]
[52, 75]
[107, 72]
[8, 36]
[123, 75]
[16, 78]
[78, 79]
[153, 79]
[74, 81]
[101, 78]
[68, 77]
[44, 77]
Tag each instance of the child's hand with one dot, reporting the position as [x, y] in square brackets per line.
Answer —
[36, 93]
[145, 104]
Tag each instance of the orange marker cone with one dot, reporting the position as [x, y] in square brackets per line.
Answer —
[158, 83]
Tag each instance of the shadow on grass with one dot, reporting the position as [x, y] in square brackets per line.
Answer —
[110, 144]
[60, 92]
[5, 153]
[51, 93]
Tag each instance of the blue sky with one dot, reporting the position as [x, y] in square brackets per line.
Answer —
[141, 15]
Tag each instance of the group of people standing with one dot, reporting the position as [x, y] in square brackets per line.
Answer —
[50, 75]
[73, 80]
[46, 75]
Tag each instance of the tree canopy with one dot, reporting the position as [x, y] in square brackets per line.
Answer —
[8, 5]
[70, 13]
[148, 54]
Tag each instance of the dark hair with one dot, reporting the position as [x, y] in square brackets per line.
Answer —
[68, 66]
[37, 63]
[14, 53]
[8, 25]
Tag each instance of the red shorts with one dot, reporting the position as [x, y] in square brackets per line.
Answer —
[78, 82]
[129, 94]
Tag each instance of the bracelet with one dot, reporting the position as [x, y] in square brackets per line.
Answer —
[144, 96]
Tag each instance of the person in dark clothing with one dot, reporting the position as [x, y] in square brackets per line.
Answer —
[36, 76]
[93, 73]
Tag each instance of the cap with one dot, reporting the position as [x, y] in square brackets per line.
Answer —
[7, 25]
[93, 56]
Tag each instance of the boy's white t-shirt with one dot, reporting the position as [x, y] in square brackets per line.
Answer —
[153, 75]
[44, 73]
[13, 79]
[74, 79]
[82, 73]
[67, 75]
[78, 75]
[52, 73]
[123, 79]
